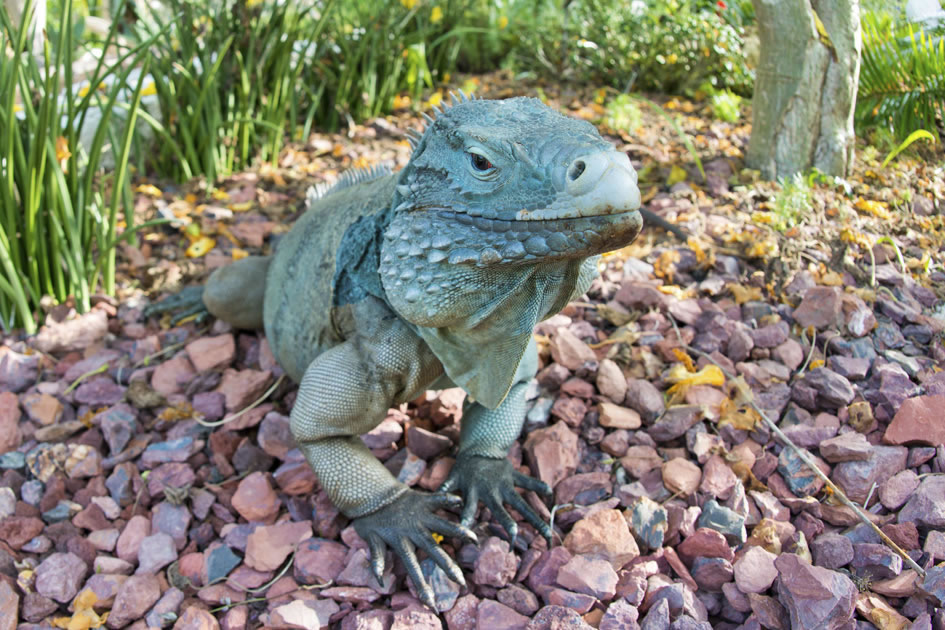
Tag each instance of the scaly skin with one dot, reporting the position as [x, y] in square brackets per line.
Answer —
[436, 274]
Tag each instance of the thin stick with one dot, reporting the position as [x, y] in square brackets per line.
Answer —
[804, 457]
[239, 413]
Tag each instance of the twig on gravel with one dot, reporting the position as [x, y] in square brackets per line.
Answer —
[804, 457]
[170, 348]
[813, 346]
[563, 507]
[239, 413]
[81, 378]
[869, 496]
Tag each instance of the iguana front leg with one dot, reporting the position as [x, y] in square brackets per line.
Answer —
[346, 391]
[482, 472]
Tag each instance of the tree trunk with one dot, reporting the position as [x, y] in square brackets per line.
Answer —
[805, 88]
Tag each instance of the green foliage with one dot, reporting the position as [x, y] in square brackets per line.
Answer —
[668, 46]
[228, 78]
[58, 211]
[725, 105]
[902, 76]
[792, 202]
[622, 114]
[371, 51]
[918, 134]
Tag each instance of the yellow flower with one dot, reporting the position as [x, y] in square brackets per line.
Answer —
[436, 14]
[671, 58]
[408, 4]
[252, 3]
[62, 149]
[503, 22]
[149, 90]
[17, 108]
[85, 89]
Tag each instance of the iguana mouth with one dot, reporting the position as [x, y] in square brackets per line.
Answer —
[599, 184]
[495, 241]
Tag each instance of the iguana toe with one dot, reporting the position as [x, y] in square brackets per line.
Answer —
[187, 303]
[408, 524]
[493, 481]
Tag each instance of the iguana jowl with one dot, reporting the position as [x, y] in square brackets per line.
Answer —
[434, 276]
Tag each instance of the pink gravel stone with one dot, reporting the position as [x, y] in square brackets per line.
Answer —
[589, 575]
[255, 499]
[754, 570]
[208, 353]
[918, 422]
[493, 615]
[606, 534]
[496, 564]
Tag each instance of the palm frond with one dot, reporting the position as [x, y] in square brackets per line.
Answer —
[902, 78]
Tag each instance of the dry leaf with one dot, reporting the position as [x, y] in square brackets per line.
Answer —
[683, 378]
[200, 247]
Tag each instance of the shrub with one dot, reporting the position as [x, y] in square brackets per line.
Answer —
[726, 105]
[58, 211]
[792, 202]
[622, 114]
[902, 76]
[666, 46]
[228, 82]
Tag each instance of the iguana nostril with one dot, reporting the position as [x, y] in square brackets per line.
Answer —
[577, 168]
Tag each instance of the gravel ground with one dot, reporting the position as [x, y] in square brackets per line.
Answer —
[674, 504]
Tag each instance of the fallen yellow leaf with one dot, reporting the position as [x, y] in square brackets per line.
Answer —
[682, 378]
[220, 195]
[676, 174]
[435, 99]
[239, 254]
[744, 294]
[200, 247]
[876, 208]
[150, 190]
[685, 359]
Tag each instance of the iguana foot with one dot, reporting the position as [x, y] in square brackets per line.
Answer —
[188, 302]
[493, 481]
[407, 523]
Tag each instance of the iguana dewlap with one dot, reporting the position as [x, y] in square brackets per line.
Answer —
[392, 282]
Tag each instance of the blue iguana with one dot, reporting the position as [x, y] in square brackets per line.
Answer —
[393, 283]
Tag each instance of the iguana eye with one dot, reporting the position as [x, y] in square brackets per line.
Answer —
[480, 162]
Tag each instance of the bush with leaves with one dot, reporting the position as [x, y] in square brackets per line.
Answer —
[667, 46]
[59, 211]
[902, 76]
[229, 81]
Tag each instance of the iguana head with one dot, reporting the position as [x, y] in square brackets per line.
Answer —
[522, 182]
[498, 186]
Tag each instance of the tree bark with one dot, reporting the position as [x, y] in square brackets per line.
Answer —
[805, 87]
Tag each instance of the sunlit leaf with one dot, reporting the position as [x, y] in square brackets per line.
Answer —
[682, 378]
[200, 247]
[918, 134]
[150, 190]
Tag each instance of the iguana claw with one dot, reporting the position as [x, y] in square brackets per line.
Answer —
[184, 304]
[493, 481]
[408, 523]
